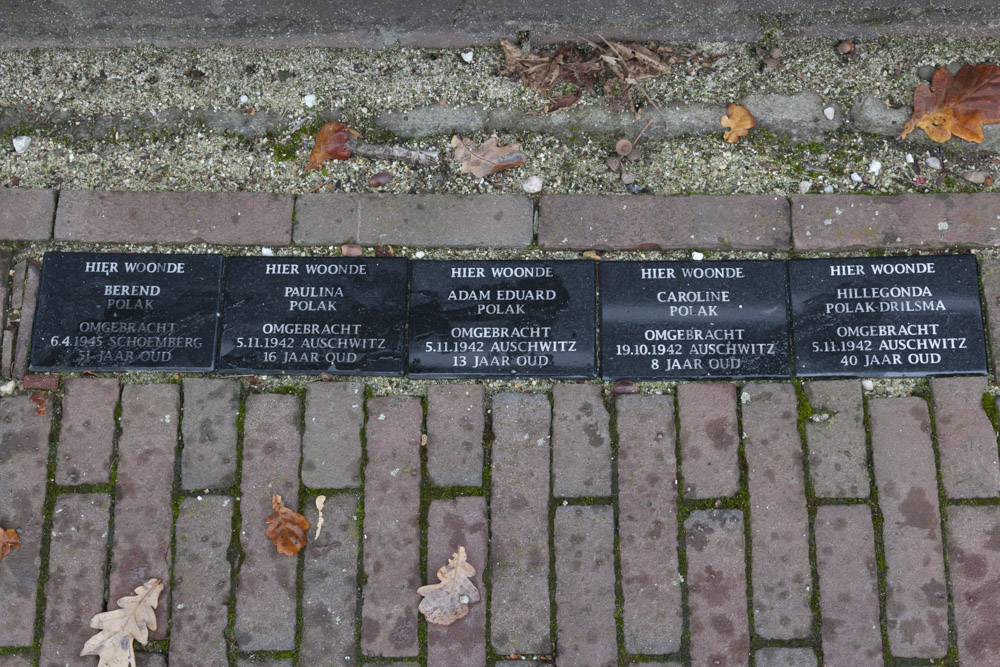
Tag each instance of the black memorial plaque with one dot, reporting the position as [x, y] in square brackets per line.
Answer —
[313, 315]
[503, 319]
[120, 312]
[694, 320]
[890, 316]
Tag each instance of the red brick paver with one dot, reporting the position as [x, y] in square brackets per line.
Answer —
[647, 502]
[331, 443]
[974, 562]
[849, 602]
[457, 221]
[26, 214]
[201, 582]
[86, 439]
[208, 460]
[451, 524]
[841, 222]
[519, 553]
[786, 657]
[5, 260]
[265, 592]
[967, 443]
[583, 222]
[709, 439]
[455, 420]
[392, 541]
[240, 218]
[37, 382]
[581, 443]
[717, 588]
[838, 457]
[74, 591]
[585, 586]
[330, 584]
[916, 596]
[779, 522]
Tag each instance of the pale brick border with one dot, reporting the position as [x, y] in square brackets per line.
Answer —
[25, 214]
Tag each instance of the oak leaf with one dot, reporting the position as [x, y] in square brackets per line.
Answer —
[8, 539]
[958, 105]
[481, 161]
[331, 144]
[286, 528]
[739, 121]
[446, 602]
[134, 619]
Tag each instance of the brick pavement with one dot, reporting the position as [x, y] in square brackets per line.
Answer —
[888, 563]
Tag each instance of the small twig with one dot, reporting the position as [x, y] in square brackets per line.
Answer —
[782, 67]
[641, 132]
[375, 152]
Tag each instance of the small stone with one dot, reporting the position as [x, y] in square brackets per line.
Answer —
[351, 250]
[868, 385]
[267, 252]
[977, 177]
[933, 162]
[628, 177]
[244, 99]
[8, 388]
[909, 158]
[845, 47]
[467, 56]
[828, 190]
[745, 398]
[942, 226]
[624, 387]
[532, 184]
[420, 254]
[875, 167]
[380, 179]
[804, 187]
[697, 256]
[21, 143]
[309, 101]
[829, 112]
[856, 177]
[591, 254]
[614, 163]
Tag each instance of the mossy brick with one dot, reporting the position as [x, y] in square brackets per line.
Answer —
[201, 582]
[519, 502]
[208, 460]
[7, 351]
[331, 442]
[26, 214]
[74, 591]
[143, 516]
[424, 220]
[24, 327]
[265, 592]
[391, 527]
[848, 588]
[916, 594]
[647, 222]
[838, 455]
[581, 441]
[850, 222]
[654, 664]
[17, 284]
[455, 421]
[779, 520]
[709, 439]
[233, 218]
[989, 272]
[974, 565]
[330, 584]
[87, 431]
[717, 588]
[647, 517]
[263, 662]
[14, 660]
[967, 443]
[585, 585]
[787, 657]
[451, 524]
[24, 444]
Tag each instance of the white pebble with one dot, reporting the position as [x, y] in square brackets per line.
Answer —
[21, 143]
[875, 167]
[8, 388]
[933, 163]
[855, 177]
[244, 99]
[909, 158]
[697, 256]
[829, 112]
[309, 101]
[267, 252]
[868, 385]
[828, 189]
[942, 226]
[420, 254]
[745, 398]
[804, 186]
[532, 184]
[467, 56]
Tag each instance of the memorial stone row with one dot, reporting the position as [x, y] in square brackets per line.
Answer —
[892, 316]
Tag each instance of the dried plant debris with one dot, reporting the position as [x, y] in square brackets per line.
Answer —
[739, 121]
[957, 105]
[286, 528]
[447, 601]
[8, 540]
[118, 628]
[481, 161]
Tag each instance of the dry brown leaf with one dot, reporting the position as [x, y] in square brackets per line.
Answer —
[564, 102]
[8, 539]
[331, 144]
[286, 528]
[481, 161]
[446, 602]
[118, 628]
[541, 71]
[38, 398]
[957, 105]
[739, 121]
